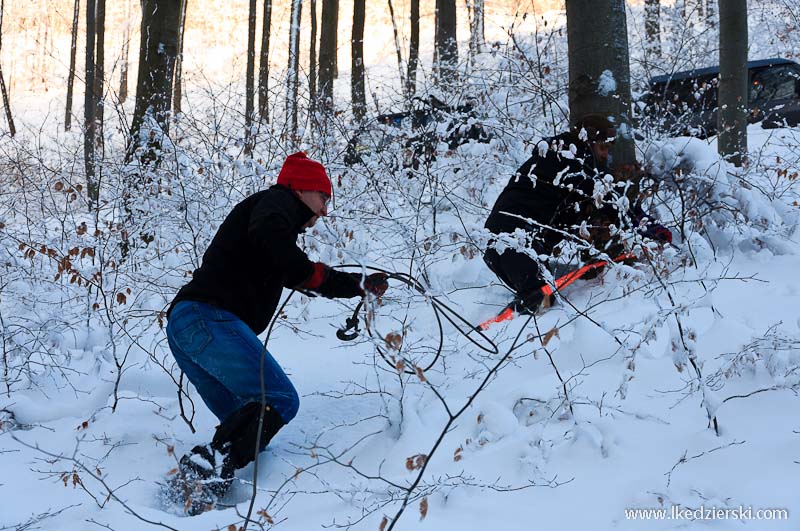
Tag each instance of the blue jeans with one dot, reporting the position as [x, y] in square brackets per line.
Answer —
[222, 357]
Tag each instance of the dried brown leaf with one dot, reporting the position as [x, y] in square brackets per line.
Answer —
[423, 508]
[549, 335]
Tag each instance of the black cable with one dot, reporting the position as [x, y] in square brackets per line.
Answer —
[440, 310]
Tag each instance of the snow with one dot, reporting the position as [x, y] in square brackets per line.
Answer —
[609, 414]
[606, 84]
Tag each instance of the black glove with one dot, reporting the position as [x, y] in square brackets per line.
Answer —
[335, 284]
[376, 283]
[340, 285]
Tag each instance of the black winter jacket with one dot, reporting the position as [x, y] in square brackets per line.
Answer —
[254, 255]
[554, 189]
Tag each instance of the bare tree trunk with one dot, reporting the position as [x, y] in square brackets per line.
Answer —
[413, 50]
[293, 80]
[327, 53]
[72, 54]
[158, 50]
[6, 104]
[99, 78]
[477, 37]
[599, 70]
[126, 44]
[732, 114]
[312, 61]
[263, 67]
[178, 90]
[446, 44]
[250, 96]
[652, 27]
[396, 43]
[89, 107]
[357, 87]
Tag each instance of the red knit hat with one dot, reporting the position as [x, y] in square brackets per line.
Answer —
[301, 173]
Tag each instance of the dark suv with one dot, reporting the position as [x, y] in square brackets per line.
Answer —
[685, 103]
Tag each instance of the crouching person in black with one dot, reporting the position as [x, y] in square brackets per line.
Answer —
[215, 318]
[550, 197]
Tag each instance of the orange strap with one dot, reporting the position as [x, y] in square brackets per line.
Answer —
[561, 282]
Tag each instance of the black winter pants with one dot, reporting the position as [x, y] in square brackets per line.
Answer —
[519, 272]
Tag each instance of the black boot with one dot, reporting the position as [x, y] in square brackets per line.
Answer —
[191, 485]
[236, 437]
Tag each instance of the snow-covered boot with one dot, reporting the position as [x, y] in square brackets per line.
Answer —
[194, 483]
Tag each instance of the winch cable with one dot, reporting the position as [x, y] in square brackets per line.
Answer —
[440, 310]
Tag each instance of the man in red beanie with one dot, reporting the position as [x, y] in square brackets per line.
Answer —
[215, 319]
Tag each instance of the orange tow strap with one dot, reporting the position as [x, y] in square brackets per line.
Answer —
[561, 282]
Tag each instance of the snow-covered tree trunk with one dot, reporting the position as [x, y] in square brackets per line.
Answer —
[358, 95]
[6, 103]
[158, 50]
[599, 72]
[293, 78]
[178, 91]
[732, 116]
[476, 28]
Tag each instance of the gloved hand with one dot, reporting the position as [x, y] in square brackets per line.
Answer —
[657, 232]
[376, 283]
[334, 284]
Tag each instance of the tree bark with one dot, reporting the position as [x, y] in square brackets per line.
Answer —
[397, 48]
[445, 40]
[599, 70]
[99, 75]
[72, 59]
[733, 82]
[178, 89]
[158, 50]
[413, 50]
[327, 53]
[652, 27]
[89, 107]
[250, 96]
[6, 103]
[126, 44]
[293, 80]
[357, 86]
[477, 37]
[263, 68]
[312, 61]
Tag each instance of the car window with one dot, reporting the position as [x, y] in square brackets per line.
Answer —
[778, 83]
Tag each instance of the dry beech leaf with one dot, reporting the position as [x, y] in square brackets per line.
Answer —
[457, 454]
[384, 521]
[423, 508]
[393, 341]
[549, 335]
[420, 374]
[415, 462]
